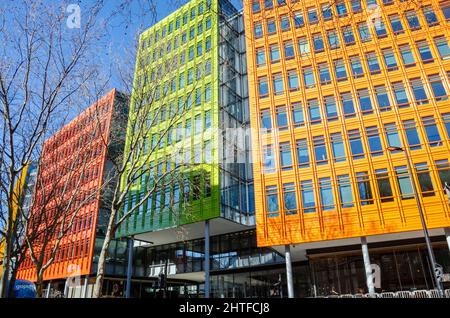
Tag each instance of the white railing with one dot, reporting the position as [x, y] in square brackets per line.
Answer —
[433, 293]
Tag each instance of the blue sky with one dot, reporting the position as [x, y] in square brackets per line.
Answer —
[124, 35]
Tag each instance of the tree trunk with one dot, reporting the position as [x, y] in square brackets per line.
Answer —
[12, 280]
[39, 284]
[102, 258]
[6, 268]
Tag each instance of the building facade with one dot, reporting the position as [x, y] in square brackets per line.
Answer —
[333, 88]
[191, 76]
[69, 186]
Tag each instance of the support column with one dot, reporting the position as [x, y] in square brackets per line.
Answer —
[129, 267]
[66, 288]
[207, 282]
[367, 266]
[289, 278]
[85, 286]
[447, 236]
[49, 286]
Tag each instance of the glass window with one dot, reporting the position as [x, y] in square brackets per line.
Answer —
[437, 87]
[256, 6]
[297, 115]
[327, 13]
[308, 201]
[407, 56]
[324, 73]
[208, 93]
[341, 9]
[207, 119]
[356, 145]
[208, 24]
[446, 120]
[314, 111]
[263, 86]
[333, 39]
[345, 191]
[424, 51]
[349, 37]
[339, 68]
[338, 148]
[364, 188]
[278, 85]
[326, 194]
[401, 97]
[282, 120]
[285, 23]
[257, 30]
[320, 150]
[356, 6]
[268, 4]
[308, 77]
[271, 26]
[411, 134]
[268, 159]
[272, 201]
[266, 121]
[285, 156]
[376, 148]
[364, 101]
[364, 32]
[290, 201]
[443, 169]
[419, 91]
[396, 24]
[302, 153]
[389, 59]
[384, 185]
[303, 46]
[318, 42]
[382, 98]
[274, 54]
[404, 182]
[392, 135]
[432, 132]
[445, 7]
[208, 44]
[347, 104]
[330, 108]
[442, 46]
[372, 63]
[357, 69]
[413, 21]
[425, 183]
[289, 50]
[312, 15]
[430, 16]
[380, 28]
[298, 19]
[293, 82]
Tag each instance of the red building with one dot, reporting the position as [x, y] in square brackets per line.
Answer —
[72, 168]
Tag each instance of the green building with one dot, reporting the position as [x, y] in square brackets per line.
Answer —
[190, 95]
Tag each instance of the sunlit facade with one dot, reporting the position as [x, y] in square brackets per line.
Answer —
[332, 86]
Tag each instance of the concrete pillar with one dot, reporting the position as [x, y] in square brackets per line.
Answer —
[289, 277]
[367, 266]
[49, 286]
[447, 236]
[85, 286]
[66, 288]
[129, 267]
[207, 278]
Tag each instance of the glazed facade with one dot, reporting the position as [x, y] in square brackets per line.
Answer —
[192, 64]
[332, 86]
[74, 159]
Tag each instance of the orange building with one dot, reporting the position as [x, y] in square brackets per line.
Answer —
[74, 161]
[332, 85]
